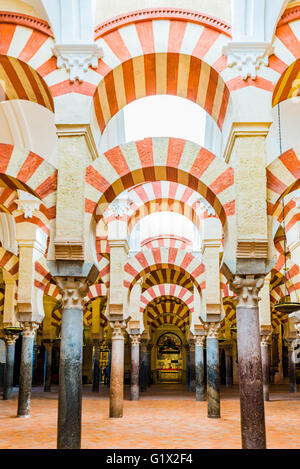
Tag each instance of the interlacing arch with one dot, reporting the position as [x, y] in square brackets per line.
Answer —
[9, 262]
[168, 310]
[165, 159]
[168, 276]
[150, 260]
[164, 290]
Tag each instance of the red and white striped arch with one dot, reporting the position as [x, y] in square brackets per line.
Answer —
[154, 52]
[9, 262]
[96, 291]
[22, 169]
[164, 159]
[168, 312]
[150, 260]
[167, 290]
[167, 241]
[283, 177]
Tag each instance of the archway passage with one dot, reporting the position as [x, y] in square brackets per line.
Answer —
[168, 358]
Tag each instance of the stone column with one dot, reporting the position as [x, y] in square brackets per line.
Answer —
[10, 341]
[117, 370]
[292, 366]
[188, 367]
[265, 362]
[192, 364]
[96, 365]
[24, 398]
[73, 290]
[249, 357]
[48, 344]
[135, 366]
[144, 358]
[213, 370]
[199, 367]
[228, 366]
[149, 374]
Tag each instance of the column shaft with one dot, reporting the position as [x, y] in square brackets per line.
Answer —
[117, 373]
[9, 369]
[228, 368]
[96, 368]
[48, 366]
[292, 368]
[193, 371]
[135, 370]
[70, 379]
[213, 378]
[265, 370]
[199, 368]
[26, 371]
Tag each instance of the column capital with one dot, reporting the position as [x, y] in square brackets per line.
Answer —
[265, 340]
[213, 330]
[246, 288]
[73, 291]
[29, 328]
[10, 339]
[200, 340]
[135, 339]
[117, 329]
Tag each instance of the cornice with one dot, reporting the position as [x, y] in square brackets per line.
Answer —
[25, 20]
[290, 14]
[162, 13]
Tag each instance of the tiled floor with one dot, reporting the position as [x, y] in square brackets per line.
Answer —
[165, 417]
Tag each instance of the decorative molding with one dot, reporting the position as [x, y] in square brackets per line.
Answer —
[117, 329]
[118, 208]
[248, 57]
[25, 20]
[162, 13]
[28, 207]
[213, 329]
[77, 58]
[246, 289]
[291, 14]
[78, 130]
[252, 248]
[29, 329]
[11, 339]
[265, 340]
[135, 339]
[73, 290]
[200, 341]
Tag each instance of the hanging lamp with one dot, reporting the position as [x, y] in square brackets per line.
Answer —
[284, 305]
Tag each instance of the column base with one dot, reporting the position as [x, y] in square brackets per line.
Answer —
[214, 416]
[23, 416]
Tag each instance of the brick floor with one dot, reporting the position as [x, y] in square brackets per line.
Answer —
[165, 417]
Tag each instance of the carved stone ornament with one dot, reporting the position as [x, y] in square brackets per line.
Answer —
[200, 340]
[28, 207]
[246, 289]
[73, 290]
[76, 58]
[11, 339]
[29, 329]
[265, 340]
[135, 339]
[117, 329]
[213, 330]
[248, 57]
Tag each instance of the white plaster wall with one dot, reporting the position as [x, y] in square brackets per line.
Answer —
[114, 133]
[31, 126]
[290, 135]
[19, 7]
[109, 9]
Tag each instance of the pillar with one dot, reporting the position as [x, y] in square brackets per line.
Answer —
[117, 370]
[192, 365]
[249, 357]
[96, 366]
[73, 290]
[213, 370]
[292, 366]
[265, 362]
[24, 398]
[48, 344]
[144, 359]
[199, 367]
[10, 341]
[228, 366]
[135, 367]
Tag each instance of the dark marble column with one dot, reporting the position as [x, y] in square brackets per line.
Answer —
[10, 341]
[96, 366]
[292, 366]
[48, 344]
[25, 382]
[199, 367]
[144, 358]
[249, 357]
[73, 290]
[264, 344]
[213, 371]
[228, 366]
[117, 370]
[149, 374]
[135, 367]
[192, 366]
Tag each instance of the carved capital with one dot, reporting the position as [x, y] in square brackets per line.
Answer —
[248, 57]
[29, 329]
[10, 339]
[213, 330]
[200, 340]
[117, 329]
[135, 339]
[265, 340]
[73, 290]
[76, 58]
[246, 288]
[28, 207]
